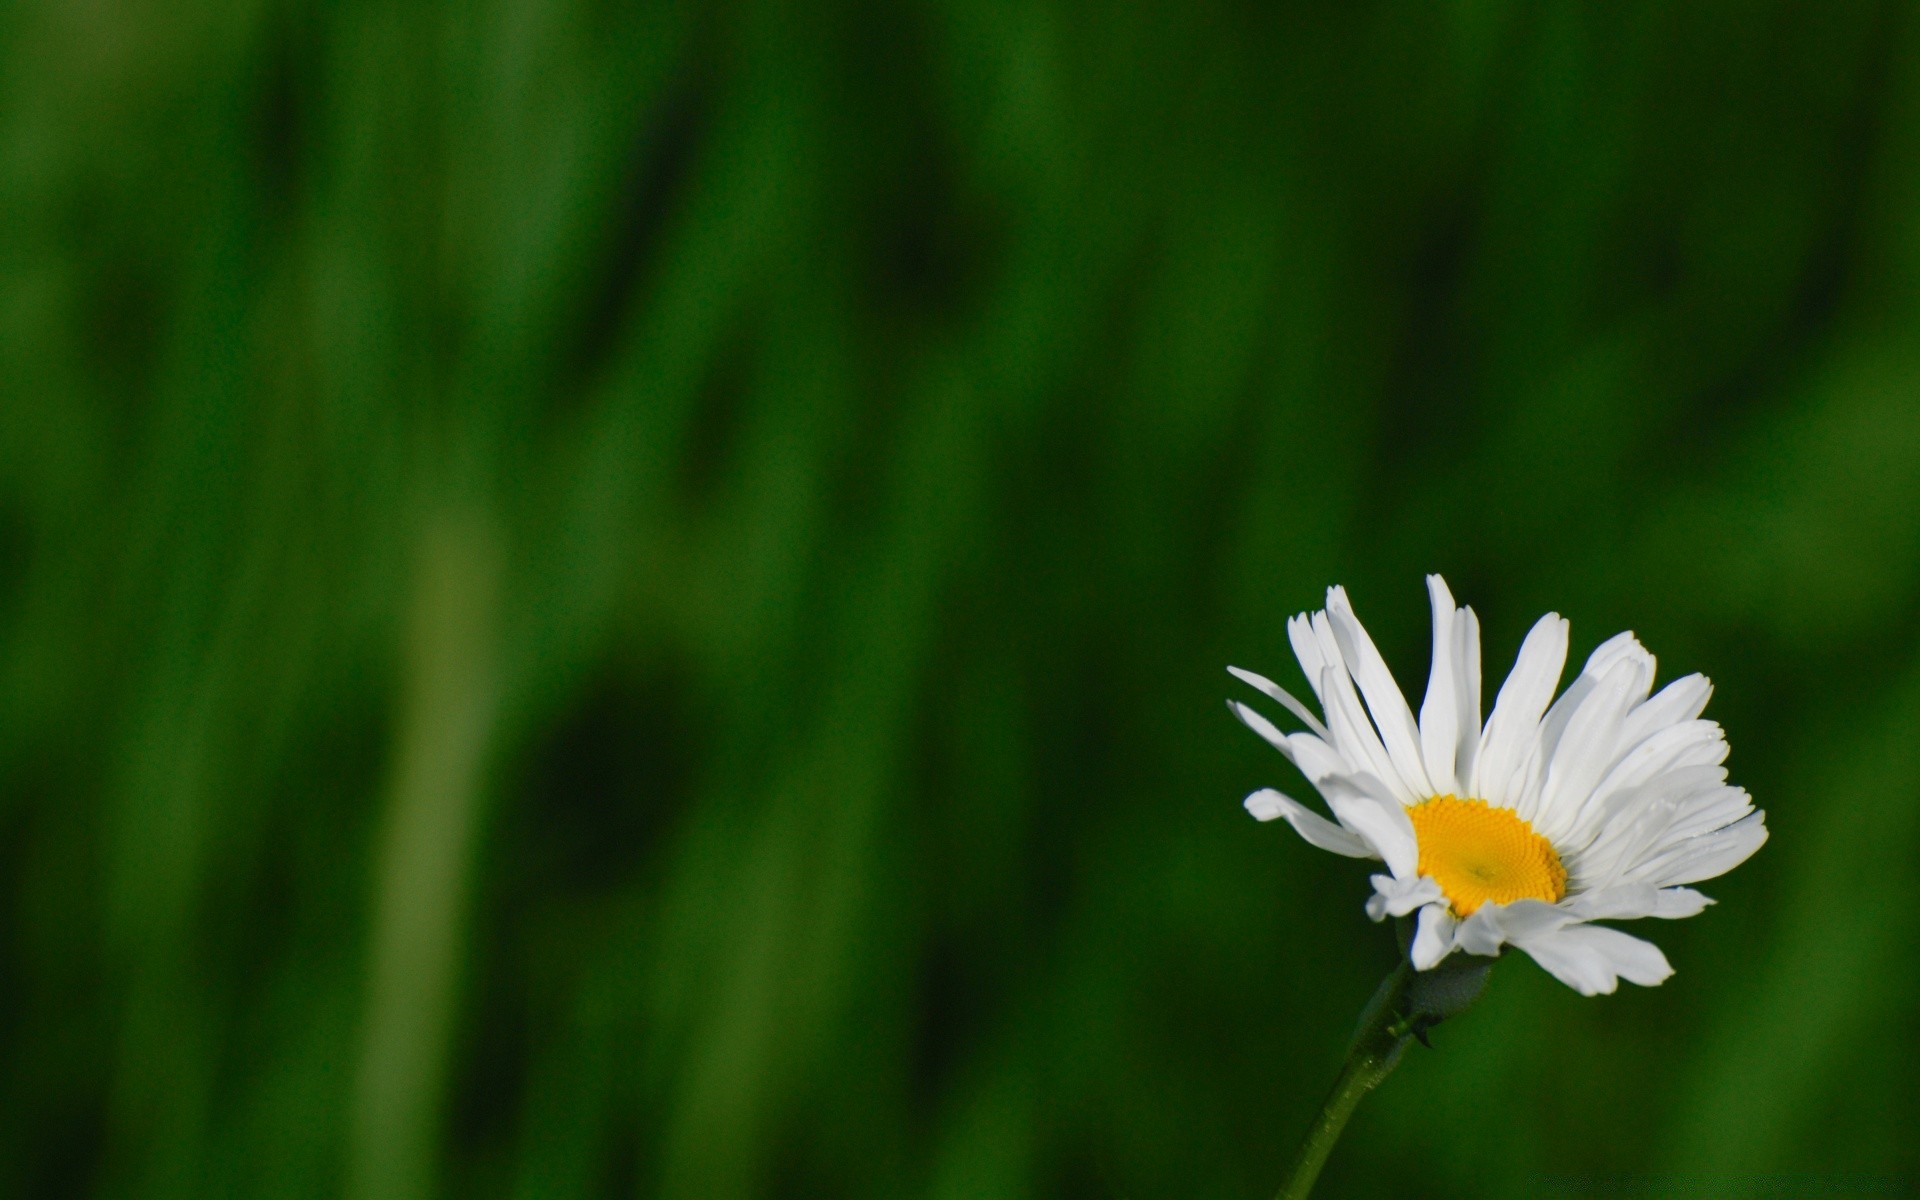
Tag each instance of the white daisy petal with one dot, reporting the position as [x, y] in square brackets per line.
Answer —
[1639, 825]
[1635, 900]
[1706, 856]
[1592, 959]
[1276, 692]
[1680, 701]
[1707, 811]
[1440, 711]
[1481, 933]
[1432, 937]
[1678, 903]
[1260, 725]
[1398, 897]
[1527, 918]
[1588, 747]
[1512, 731]
[1621, 647]
[1267, 804]
[1306, 648]
[1494, 925]
[1573, 963]
[1385, 702]
[1676, 747]
[1466, 674]
[1316, 759]
[1364, 805]
[1636, 828]
[1635, 960]
[1354, 736]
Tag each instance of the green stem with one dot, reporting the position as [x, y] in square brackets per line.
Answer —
[1377, 1045]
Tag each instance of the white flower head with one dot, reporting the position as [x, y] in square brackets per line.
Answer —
[1599, 805]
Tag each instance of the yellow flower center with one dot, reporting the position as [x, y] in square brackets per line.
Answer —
[1478, 853]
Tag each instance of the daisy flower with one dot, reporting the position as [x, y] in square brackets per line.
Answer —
[1553, 814]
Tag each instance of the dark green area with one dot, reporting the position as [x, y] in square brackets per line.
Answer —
[631, 601]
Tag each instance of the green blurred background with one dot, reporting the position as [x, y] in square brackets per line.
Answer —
[631, 601]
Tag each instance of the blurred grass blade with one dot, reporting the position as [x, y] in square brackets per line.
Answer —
[423, 863]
